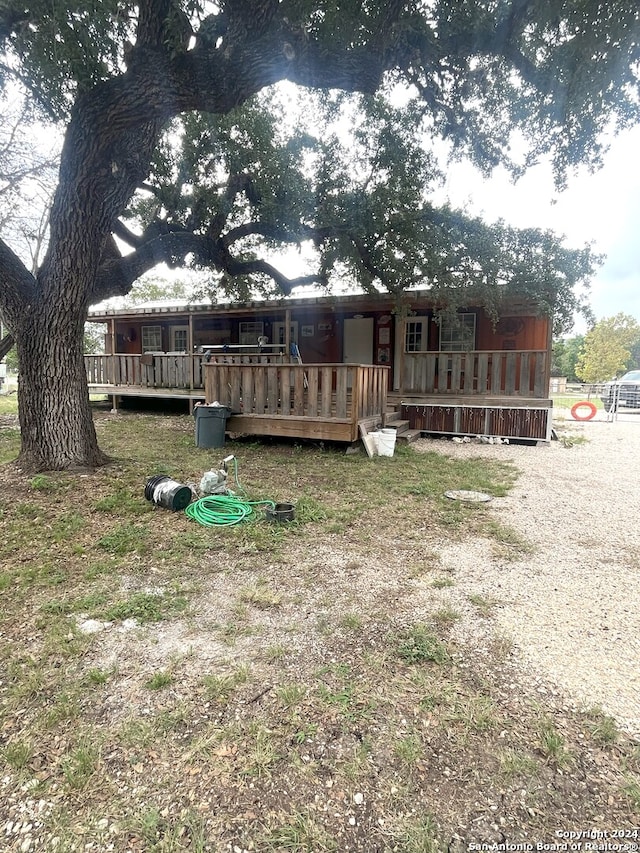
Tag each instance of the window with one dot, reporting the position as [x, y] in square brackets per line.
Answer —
[249, 333]
[151, 339]
[458, 334]
[416, 334]
[179, 338]
[279, 330]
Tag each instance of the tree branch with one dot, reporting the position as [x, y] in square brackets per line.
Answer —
[116, 275]
[126, 235]
[17, 286]
[367, 260]
[284, 235]
[259, 267]
[5, 345]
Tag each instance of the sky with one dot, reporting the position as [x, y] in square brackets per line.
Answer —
[601, 208]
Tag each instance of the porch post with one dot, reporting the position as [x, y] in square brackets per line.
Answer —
[111, 377]
[190, 350]
[192, 360]
[287, 335]
[398, 364]
[547, 371]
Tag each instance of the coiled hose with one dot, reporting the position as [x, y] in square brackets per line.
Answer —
[223, 510]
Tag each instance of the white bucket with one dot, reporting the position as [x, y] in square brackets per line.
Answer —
[386, 442]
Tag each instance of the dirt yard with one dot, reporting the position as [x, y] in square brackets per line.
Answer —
[572, 606]
[394, 673]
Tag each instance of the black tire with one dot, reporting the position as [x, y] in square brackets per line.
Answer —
[607, 405]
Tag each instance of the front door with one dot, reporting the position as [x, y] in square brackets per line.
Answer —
[357, 346]
[279, 330]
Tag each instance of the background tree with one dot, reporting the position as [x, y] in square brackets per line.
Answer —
[27, 183]
[94, 335]
[634, 358]
[606, 352]
[156, 288]
[115, 74]
[565, 354]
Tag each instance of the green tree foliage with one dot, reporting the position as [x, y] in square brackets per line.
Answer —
[155, 288]
[94, 334]
[250, 184]
[634, 359]
[118, 75]
[565, 354]
[607, 348]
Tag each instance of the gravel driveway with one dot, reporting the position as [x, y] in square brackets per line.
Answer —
[572, 606]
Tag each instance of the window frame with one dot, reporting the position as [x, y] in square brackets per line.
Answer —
[157, 332]
[249, 331]
[461, 344]
[182, 330]
[279, 332]
[424, 322]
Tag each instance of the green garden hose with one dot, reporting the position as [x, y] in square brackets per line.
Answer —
[222, 510]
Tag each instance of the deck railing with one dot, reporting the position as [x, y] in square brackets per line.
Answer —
[166, 370]
[345, 391]
[521, 373]
[513, 373]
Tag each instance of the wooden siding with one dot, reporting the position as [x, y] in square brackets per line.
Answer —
[523, 422]
[495, 372]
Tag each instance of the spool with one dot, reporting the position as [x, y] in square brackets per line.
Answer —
[165, 492]
[386, 442]
[281, 513]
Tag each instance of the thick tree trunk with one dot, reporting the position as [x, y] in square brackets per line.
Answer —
[55, 417]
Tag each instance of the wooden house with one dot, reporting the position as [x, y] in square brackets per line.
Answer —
[323, 367]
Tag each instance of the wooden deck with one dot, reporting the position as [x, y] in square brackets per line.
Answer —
[319, 401]
[498, 373]
[484, 392]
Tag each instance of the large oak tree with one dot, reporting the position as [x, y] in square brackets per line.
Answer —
[557, 71]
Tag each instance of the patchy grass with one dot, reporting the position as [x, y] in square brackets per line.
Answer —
[483, 604]
[508, 543]
[563, 401]
[602, 727]
[421, 645]
[294, 687]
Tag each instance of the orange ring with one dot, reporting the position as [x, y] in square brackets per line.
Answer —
[577, 417]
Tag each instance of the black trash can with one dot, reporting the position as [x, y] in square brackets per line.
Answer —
[211, 423]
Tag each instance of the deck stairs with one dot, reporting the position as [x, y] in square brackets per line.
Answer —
[393, 420]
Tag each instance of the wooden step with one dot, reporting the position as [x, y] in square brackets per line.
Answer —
[408, 436]
[399, 426]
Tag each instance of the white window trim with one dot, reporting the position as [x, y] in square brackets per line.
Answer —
[249, 331]
[424, 321]
[459, 348]
[279, 328]
[175, 329]
[156, 331]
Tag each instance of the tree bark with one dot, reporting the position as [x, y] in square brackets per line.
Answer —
[57, 430]
[6, 344]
